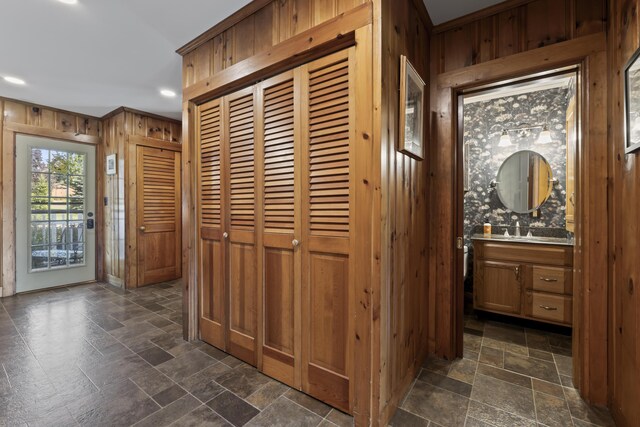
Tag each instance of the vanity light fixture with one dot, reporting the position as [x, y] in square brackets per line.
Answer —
[168, 93]
[505, 139]
[544, 137]
[14, 80]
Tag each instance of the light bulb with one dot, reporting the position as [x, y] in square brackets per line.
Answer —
[505, 139]
[544, 137]
[168, 93]
[14, 80]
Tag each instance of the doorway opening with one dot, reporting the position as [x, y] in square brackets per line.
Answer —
[516, 214]
[55, 213]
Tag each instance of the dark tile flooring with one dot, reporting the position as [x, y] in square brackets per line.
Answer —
[98, 356]
[509, 376]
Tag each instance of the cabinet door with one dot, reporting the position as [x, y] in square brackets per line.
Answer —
[239, 156]
[327, 282]
[281, 228]
[211, 223]
[498, 287]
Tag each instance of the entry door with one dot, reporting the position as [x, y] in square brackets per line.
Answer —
[158, 213]
[55, 213]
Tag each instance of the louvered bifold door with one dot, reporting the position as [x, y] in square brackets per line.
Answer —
[281, 230]
[241, 224]
[327, 191]
[211, 223]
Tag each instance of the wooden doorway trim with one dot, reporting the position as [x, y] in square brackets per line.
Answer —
[131, 167]
[591, 254]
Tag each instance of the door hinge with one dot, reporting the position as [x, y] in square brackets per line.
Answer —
[460, 243]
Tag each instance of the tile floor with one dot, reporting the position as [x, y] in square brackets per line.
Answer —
[509, 376]
[95, 355]
[98, 356]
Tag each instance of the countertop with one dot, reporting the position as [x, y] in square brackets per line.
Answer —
[534, 240]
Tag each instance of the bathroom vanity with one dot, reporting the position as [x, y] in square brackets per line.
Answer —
[524, 277]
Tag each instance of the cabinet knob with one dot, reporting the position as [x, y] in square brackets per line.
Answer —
[517, 271]
[548, 308]
[546, 279]
[295, 243]
[225, 235]
[142, 228]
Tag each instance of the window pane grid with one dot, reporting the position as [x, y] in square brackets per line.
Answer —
[57, 209]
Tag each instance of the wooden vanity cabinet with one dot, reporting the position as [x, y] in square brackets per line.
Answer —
[528, 280]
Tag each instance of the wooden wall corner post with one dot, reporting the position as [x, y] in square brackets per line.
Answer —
[189, 232]
[367, 206]
[8, 213]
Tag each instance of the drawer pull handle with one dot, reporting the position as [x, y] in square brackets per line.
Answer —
[546, 307]
[546, 279]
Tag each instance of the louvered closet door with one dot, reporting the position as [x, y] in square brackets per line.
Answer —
[242, 277]
[327, 225]
[158, 215]
[211, 223]
[281, 227]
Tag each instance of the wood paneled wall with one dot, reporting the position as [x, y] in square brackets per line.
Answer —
[624, 285]
[118, 189]
[20, 117]
[404, 210]
[256, 29]
[512, 27]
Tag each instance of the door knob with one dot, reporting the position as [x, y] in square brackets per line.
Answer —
[295, 243]
[225, 235]
[142, 228]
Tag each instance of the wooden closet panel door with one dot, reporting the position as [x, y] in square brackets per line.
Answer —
[242, 277]
[210, 222]
[281, 286]
[327, 140]
[159, 215]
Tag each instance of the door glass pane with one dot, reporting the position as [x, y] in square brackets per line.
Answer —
[57, 209]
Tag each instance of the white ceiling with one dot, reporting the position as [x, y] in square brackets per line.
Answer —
[445, 10]
[98, 55]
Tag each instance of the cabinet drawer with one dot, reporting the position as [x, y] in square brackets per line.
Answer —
[552, 279]
[554, 308]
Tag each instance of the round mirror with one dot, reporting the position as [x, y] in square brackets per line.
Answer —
[524, 181]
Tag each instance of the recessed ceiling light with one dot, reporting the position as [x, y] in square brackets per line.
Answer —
[68, 1]
[168, 93]
[14, 80]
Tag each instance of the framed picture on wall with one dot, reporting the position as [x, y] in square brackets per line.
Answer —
[111, 165]
[632, 103]
[411, 138]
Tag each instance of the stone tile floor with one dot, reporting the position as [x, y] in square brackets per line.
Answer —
[96, 355]
[509, 376]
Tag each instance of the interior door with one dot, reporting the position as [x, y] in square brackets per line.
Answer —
[327, 221]
[158, 213]
[55, 206]
[242, 275]
[211, 223]
[281, 230]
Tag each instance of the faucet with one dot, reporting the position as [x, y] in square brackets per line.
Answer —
[517, 228]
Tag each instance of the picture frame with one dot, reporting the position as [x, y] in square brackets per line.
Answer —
[632, 103]
[111, 165]
[412, 108]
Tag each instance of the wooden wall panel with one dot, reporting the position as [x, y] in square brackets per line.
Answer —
[22, 117]
[258, 32]
[120, 246]
[624, 281]
[534, 24]
[405, 216]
